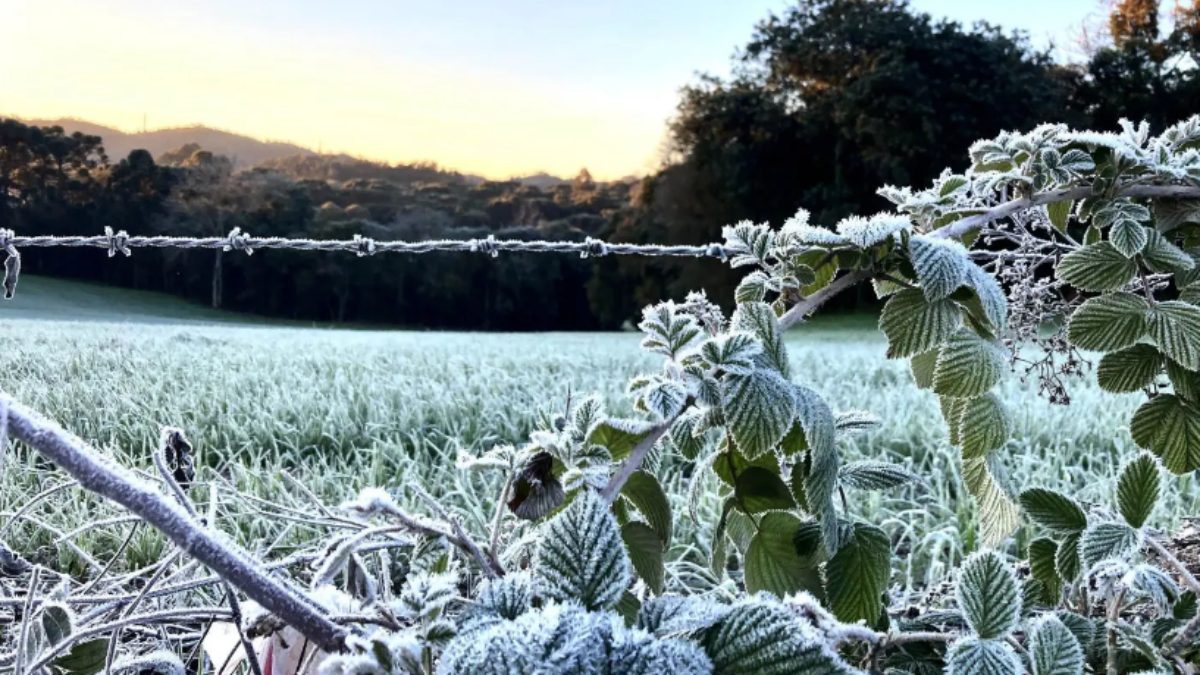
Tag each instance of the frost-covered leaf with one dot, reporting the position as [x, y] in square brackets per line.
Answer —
[1106, 540]
[749, 243]
[1160, 255]
[668, 331]
[752, 288]
[556, 639]
[988, 595]
[158, 662]
[816, 419]
[1054, 649]
[580, 557]
[644, 491]
[973, 656]
[772, 562]
[1175, 326]
[1097, 267]
[874, 475]
[683, 434]
[998, 515]
[1053, 510]
[857, 575]
[733, 352]
[646, 553]
[1108, 322]
[56, 622]
[941, 265]
[983, 425]
[679, 614]
[855, 421]
[1138, 489]
[664, 398]
[992, 300]
[506, 597]
[1129, 369]
[967, 366]
[1169, 427]
[914, 325]
[637, 653]
[759, 409]
[1129, 237]
[762, 636]
[759, 319]
[867, 232]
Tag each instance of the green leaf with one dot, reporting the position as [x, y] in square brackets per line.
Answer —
[761, 490]
[646, 553]
[1129, 237]
[683, 434]
[84, 658]
[1053, 510]
[731, 462]
[967, 366]
[580, 555]
[1185, 383]
[873, 475]
[1175, 326]
[951, 412]
[759, 319]
[1169, 427]
[1097, 267]
[1054, 649]
[1129, 369]
[764, 637]
[1108, 322]
[922, 368]
[823, 461]
[752, 288]
[759, 409]
[998, 515]
[1190, 293]
[913, 325]
[1042, 552]
[973, 656]
[1161, 255]
[620, 436]
[1138, 489]
[1169, 214]
[56, 623]
[1059, 213]
[1066, 558]
[1106, 540]
[988, 595]
[941, 265]
[982, 426]
[647, 495]
[772, 562]
[856, 576]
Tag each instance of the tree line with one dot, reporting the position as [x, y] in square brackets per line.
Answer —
[828, 99]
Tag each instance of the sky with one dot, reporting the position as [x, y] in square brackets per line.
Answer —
[493, 87]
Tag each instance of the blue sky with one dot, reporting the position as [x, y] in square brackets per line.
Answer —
[498, 88]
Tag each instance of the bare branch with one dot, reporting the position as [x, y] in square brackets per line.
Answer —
[226, 559]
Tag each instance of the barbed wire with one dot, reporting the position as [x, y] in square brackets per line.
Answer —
[236, 240]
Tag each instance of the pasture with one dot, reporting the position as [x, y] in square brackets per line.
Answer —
[342, 409]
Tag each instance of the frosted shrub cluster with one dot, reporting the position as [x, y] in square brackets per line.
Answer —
[1090, 236]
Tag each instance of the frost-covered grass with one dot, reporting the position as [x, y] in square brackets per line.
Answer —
[340, 409]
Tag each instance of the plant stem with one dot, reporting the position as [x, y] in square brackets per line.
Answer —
[633, 462]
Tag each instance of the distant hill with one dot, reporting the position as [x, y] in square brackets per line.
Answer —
[244, 150]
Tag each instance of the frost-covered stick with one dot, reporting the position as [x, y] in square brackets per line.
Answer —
[490, 566]
[171, 437]
[226, 559]
[633, 462]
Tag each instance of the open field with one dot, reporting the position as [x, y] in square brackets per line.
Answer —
[340, 409]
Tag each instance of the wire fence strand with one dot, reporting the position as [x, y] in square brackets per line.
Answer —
[121, 242]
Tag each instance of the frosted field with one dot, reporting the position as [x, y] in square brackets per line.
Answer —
[340, 409]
